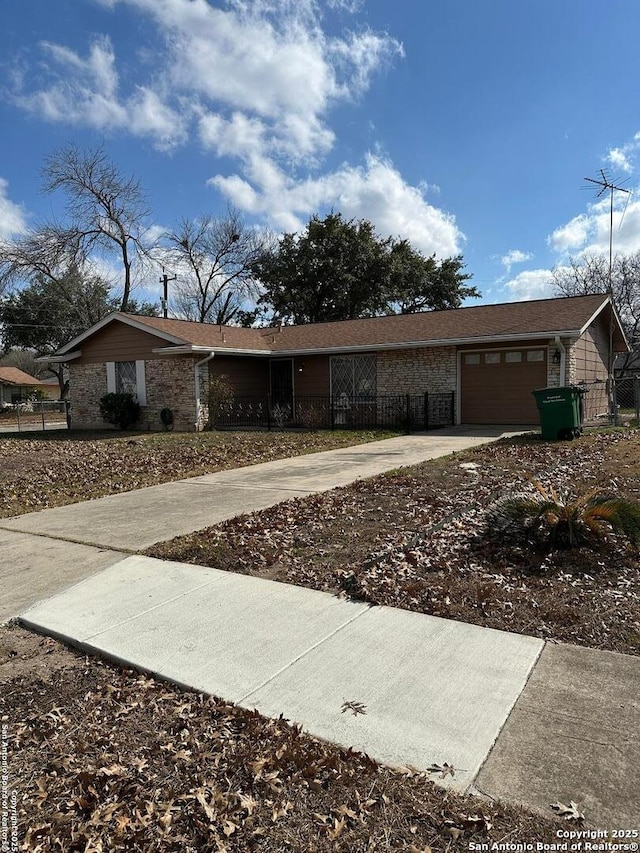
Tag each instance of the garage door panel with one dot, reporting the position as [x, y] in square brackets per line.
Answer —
[500, 392]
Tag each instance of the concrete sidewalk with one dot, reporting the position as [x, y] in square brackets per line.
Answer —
[435, 690]
[519, 720]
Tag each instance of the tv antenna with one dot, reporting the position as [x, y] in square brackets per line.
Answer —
[607, 185]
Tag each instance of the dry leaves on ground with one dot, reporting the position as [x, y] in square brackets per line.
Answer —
[414, 539]
[105, 759]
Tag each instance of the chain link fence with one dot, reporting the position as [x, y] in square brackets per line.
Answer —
[34, 415]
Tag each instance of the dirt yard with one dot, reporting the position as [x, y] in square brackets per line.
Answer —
[414, 539]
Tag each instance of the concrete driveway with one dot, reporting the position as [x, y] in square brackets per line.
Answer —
[135, 520]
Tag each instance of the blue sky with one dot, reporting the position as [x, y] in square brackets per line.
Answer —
[462, 125]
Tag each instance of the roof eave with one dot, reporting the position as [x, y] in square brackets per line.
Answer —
[129, 321]
[59, 359]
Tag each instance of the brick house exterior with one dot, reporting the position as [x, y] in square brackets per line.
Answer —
[490, 357]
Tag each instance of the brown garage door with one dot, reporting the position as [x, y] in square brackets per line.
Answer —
[496, 386]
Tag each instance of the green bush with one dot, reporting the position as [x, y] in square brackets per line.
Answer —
[119, 409]
[549, 519]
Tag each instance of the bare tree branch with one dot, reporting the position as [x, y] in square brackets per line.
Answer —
[214, 259]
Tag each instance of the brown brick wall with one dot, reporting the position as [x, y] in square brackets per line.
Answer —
[414, 371]
[169, 382]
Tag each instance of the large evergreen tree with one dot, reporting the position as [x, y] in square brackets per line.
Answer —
[339, 269]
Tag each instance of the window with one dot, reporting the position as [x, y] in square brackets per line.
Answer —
[512, 357]
[492, 358]
[472, 358]
[353, 375]
[535, 355]
[126, 377]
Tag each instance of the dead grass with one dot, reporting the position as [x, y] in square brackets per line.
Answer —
[104, 759]
[53, 469]
[414, 539]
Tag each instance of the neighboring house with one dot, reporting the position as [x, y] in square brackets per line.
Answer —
[490, 356]
[16, 385]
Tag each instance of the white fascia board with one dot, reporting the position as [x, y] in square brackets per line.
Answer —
[59, 359]
[129, 321]
[447, 342]
[189, 348]
[608, 301]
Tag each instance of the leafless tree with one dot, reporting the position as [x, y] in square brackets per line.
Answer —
[213, 258]
[106, 215]
[591, 275]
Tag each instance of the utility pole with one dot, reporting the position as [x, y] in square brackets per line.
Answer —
[606, 185]
[164, 281]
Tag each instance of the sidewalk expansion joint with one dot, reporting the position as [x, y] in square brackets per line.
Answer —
[150, 609]
[304, 654]
[509, 713]
[119, 549]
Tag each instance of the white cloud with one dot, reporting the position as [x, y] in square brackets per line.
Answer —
[13, 219]
[85, 91]
[375, 191]
[259, 60]
[530, 284]
[572, 236]
[619, 159]
[255, 80]
[588, 233]
[515, 256]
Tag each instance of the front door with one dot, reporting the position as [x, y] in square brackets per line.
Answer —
[282, 381]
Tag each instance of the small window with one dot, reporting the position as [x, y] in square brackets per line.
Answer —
[512, 357]
[126, 377]
[492, 358]
[535, 355]
[472, 358]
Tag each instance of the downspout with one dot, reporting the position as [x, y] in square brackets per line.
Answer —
[196, 368]
[563, 360]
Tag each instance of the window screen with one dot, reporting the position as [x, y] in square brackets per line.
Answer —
[126, 377]
[353, 375]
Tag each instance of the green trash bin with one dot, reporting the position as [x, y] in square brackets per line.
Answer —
[560, 412]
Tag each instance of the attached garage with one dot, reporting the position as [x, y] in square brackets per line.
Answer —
[496, 385]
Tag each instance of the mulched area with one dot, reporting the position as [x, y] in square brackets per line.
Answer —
[58, 468]
[415, 539]
[104, 759]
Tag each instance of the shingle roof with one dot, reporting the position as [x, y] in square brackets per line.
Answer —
[15, 376]
[517, 319]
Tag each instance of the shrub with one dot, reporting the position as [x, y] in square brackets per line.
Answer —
[550, 519]
[119, 409]
[37, 395]
[220, 397]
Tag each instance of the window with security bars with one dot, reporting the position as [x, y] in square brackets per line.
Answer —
[353, 375]
[126, 377]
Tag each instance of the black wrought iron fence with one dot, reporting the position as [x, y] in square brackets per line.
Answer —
[409, 412]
